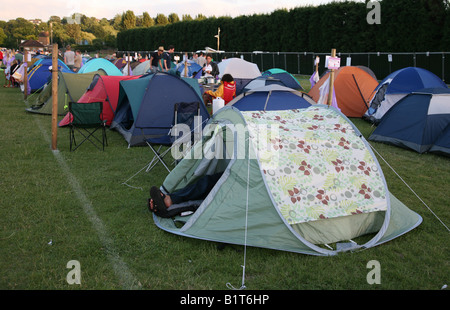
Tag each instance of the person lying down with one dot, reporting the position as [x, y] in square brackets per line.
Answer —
[187, 199]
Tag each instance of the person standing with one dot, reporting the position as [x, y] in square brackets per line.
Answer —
[155, 59]
[69, 58]
[167, 58]
[78, 62]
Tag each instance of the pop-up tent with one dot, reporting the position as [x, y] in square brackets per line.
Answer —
[103, 89]
[70, 88]
[292, 180]
[417, 121]
[145, 110]
[95, 64]
[354, 88]
[242, 71]
[285, 77]
[271, 97]
[396, 86]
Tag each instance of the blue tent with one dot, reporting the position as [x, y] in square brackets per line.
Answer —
[396, 86]
[145, 111]
[417, 121]
[285, 77]
[95, 64]
[271, 97]
[193, 69]
[40, 74]
[442, 144]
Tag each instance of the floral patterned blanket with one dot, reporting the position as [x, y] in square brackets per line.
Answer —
[315, 164]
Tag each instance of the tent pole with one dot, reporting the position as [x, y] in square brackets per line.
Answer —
[54, 95]
[330, 92]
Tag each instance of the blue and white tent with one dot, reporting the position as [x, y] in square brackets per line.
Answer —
[271, 97]
[396, 86]
[417, 121]
[40, 74]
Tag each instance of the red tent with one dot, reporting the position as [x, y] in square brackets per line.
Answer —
[102, 89]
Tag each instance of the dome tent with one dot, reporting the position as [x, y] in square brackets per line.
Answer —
[418, 121]
[353, 87]
[266, 197]
[396, 86]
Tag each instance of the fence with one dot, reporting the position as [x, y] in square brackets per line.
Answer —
[381, 63]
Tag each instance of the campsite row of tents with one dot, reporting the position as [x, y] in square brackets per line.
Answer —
[285, 209]
[410, 108]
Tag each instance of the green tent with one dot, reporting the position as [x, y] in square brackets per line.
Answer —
[303, 181]
[71, 87]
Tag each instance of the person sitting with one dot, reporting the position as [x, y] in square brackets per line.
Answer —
[186, 199]
[226, 90]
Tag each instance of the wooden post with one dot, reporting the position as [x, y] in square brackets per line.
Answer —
[54, 95]
[128, 64]
[330, 92]
[25, 75]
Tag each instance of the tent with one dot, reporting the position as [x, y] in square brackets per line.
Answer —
[241, 70]
[95, 64]
[40, 73]
[353, 88]
[145, 110]
[417, 121]
[271, 97]
[193, 69]
[396, 86]
[104, 89]
[70, 88]
[119, 63]
[442, 144]
[142, 68]
[297, 190]
[261, 81]
[285, 77]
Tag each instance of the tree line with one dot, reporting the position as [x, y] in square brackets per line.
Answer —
[97, 33]
[405, 26]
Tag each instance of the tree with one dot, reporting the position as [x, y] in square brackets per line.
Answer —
[147, 21]
[161, 19]
[186, 17]
[128, 20]
[2, 37]
[173, 18]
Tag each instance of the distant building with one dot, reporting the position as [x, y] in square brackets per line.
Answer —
[44, 38]
[35, 21]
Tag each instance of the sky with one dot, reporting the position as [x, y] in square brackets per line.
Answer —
[31, 9]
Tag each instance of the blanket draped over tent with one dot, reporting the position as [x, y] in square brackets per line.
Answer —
[309, 180]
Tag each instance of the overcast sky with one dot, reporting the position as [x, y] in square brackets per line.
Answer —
[30, 9]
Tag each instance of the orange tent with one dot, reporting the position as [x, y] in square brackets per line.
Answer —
[354, 88]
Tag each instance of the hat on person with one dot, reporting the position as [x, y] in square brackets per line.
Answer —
[161, 48]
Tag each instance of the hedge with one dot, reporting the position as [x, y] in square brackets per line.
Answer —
[406, 25]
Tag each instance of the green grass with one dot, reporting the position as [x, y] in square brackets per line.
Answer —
[40, 203]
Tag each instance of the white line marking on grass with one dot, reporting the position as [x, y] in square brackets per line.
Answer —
[127, 280]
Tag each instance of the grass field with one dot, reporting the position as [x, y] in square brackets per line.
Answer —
[58, 206]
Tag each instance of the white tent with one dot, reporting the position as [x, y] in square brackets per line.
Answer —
[239, 68]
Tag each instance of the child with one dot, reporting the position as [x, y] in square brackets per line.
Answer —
[226, 90]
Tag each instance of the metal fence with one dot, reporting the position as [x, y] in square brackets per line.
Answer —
[302, 63]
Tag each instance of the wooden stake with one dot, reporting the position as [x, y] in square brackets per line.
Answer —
[330, 92]
[54, 95]
[25, 75]
[128, 63]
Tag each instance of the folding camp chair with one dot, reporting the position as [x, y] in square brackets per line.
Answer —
[184, 113]
[86, 120]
